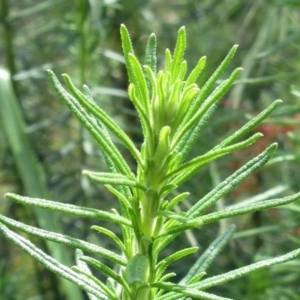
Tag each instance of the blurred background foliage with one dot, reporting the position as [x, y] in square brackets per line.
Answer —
[44, 149]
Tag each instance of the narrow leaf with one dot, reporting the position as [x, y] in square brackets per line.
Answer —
[176, 200]
[190, 122]
[207, 88]
[112, 178]
[231, 212]
[163, 264]
[144, 117]
[196, 71]
[105, 269]
[140, 81]
[110, 234]
[238, 273]
[209, 255]
[177, 229]
[232, 181]
[150, 57]
[173, 216]
[187, 170]
[84, 267]
[168, 61]
[85, 275]
[52, 264]
[102, 116]
[127, 48]
[70, 209]
[185, 290]
[249, 125]
[150, 61]
[64, 239]
[91, 125]
[178, 53]
[191, 136]
[136, 269]
[182, 70]
[122, 199]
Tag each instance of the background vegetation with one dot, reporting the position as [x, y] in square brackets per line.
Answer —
[81, 38]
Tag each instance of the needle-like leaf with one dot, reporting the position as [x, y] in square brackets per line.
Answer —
[52, 264]
[84, 212]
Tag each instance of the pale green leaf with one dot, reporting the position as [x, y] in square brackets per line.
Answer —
[112, 235]
[188, 169]
[140, 82]
[189, 123]
[185, 290]
[196, 71]
[150, 57]
[105, 269]
[127, 48]
[176, 200]
[178, 53]
[208, 86]
[52, 264]
[231, 182]
[113, 178]
[243, 209]
[204, 261]
[70, 209]
[136, 269]
[64, 239]
[84, 267]
[150, 61]
[249, 125]
[238, 273]
[102, 116]
[91, 125]
[163, 264]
